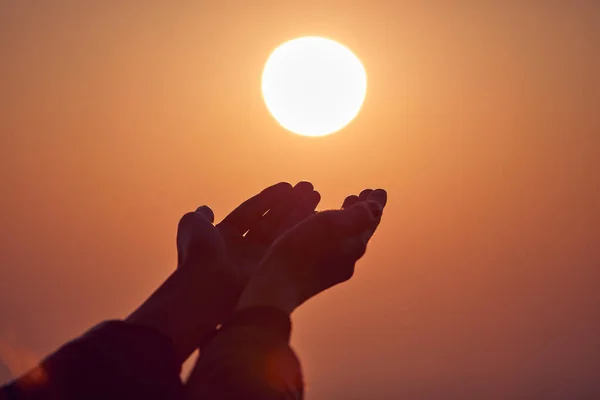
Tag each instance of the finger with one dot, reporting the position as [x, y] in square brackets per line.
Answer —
[266, 229]
[379, 196]
[304, 209]
[249, 212]
[206, 213]
[364, 195]
[361, 217]
[350, 201]
[377, 210]
[303, 188]
[194, 232]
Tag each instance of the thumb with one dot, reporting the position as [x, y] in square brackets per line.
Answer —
[195, 234]
[361, 217]
[206, 213]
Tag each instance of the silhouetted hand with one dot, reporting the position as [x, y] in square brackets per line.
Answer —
[214, 262]
[316, 254]
[242, 238]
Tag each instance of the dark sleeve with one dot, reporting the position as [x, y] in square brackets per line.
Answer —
[114, 360]
[248, 358]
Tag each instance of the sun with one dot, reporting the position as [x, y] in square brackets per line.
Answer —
[313, 86]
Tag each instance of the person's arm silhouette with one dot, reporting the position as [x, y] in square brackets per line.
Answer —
[141, 356]
[216, 261]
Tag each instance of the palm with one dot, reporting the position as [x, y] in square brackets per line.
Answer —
[241, 252]
[316, 254]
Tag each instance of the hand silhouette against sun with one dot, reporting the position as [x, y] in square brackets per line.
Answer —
[316, 254]
[216, 261]
[240, 241]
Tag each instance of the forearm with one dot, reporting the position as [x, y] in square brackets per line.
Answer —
[114, 360]
[189, 305]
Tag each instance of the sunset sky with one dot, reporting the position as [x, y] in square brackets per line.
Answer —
[481, 121]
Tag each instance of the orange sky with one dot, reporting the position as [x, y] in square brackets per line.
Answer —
[482, 123]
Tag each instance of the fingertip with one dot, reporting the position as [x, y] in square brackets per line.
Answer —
[206, 213]
[364, 195]
[281, 186]
[379, 196]
[304, 186]
[350, 201]
[274, 191]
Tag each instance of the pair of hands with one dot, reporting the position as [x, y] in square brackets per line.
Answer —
[277, 249]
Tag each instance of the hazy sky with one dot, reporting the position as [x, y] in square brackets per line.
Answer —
[482, 122]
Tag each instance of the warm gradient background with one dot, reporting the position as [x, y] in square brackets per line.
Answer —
[481, 121]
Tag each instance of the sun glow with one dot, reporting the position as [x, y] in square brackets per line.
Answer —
[313, 86]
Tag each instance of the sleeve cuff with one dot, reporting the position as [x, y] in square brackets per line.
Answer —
[275, 323]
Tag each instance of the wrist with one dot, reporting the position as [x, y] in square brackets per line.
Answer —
[270, 288]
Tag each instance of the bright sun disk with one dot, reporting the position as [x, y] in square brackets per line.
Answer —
[313, 86]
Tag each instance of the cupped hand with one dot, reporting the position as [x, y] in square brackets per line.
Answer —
[241, 239]
[316, 254]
